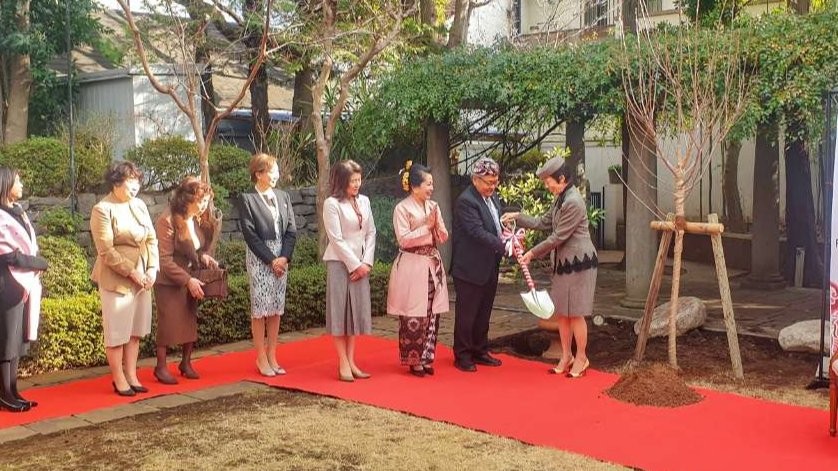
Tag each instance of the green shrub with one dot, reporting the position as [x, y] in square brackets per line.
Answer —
[306, 252]
[386, 245]
[70, 334]
[43, 164]
[228, 166]
[165, 161]
[232, 254]
[60, 222]
[68, 273]
[221, 200]
[225, 321]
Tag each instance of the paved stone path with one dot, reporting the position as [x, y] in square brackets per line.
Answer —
[757, 313]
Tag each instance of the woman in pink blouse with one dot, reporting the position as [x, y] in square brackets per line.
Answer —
[419, 229]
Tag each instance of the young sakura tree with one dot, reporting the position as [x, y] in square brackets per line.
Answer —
[685, 88]
[185, 37]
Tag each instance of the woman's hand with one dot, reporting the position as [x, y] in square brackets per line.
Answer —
[279, 266]
[194, 286]
[208, 261]
[526, 258]
[148, 280]
[508, 218]
[360, 272]
[138, 278]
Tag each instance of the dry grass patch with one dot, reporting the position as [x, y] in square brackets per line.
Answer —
[283, 430]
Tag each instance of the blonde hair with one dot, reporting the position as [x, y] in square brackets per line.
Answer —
[259, 163]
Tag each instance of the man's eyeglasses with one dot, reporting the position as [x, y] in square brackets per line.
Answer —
[491, 183]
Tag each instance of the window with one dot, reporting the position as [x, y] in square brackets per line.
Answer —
[596, 12]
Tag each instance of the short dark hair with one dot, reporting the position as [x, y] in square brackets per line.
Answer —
[341, 174]
[7, 181]
[120, 171]
[417, 175]
[566, 172]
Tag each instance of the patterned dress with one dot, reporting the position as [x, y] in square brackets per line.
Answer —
[267, 291]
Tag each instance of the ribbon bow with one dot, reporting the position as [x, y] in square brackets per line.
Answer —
[512, 238]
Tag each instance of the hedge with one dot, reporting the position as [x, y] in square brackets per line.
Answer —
[71, 327]
[69, 273]
[44, 166]
[165, 161]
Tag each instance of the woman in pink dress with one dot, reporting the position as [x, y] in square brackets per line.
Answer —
[419, 229]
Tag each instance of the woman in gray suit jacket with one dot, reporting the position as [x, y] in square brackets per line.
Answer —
[574, 261]
[270, 231]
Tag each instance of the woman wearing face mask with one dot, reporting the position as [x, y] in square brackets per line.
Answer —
[419, 228]
[270, 231]
[187, 233]
[347, 218]
[125, 270]
[20, 288]
[574, 261]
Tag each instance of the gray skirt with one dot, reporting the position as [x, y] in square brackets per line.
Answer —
[573, 293]
[348, 308]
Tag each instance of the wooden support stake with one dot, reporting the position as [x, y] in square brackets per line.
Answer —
[652, 297]
[727, 302]
[689, 227]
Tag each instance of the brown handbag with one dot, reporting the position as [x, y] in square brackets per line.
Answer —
[215, 282]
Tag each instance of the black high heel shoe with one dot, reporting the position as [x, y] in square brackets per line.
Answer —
[14, 407]
[26, 401]
[429, 370]
[127, 393]
[138, 389]
[417, 371]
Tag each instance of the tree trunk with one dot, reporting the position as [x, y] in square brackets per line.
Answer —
[679, 195]
[801, 228]
[458, 34]
[323, 176]
[641, 241]
[259, 86]
[20, 84]
[765, 230]
[301, 103]
[259, 109]
[427, 12]
[734, 219]
[438, 143]
[575, 141]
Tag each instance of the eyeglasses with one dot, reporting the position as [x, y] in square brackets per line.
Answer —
[492, 184]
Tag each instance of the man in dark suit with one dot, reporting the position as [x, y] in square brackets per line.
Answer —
[477, 253]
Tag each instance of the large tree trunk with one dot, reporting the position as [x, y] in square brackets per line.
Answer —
[801, 228]
[575, 141]
[765, 230]
[19, 85]
[259, 86]
[301, 103]
[438, 144]
[458, 34]
[641, 241]
[734, 219]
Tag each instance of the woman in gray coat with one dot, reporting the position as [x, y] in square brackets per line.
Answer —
[574, 261]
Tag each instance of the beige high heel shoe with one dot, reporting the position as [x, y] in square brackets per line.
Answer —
[265, 370]
[581, 372]
[556, 370]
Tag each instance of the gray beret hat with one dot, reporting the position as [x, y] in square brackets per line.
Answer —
[550, 167]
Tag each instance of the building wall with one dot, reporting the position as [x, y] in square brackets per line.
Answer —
[155, 114]
[491, 23]
[110, 103]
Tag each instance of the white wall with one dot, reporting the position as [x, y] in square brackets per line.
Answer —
[155, 114]
[491, 22]
[110, 102]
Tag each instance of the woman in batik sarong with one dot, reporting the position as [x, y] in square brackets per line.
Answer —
[419, 229]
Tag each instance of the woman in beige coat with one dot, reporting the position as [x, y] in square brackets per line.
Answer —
[574, 261]
[125, 270]
[419, 228]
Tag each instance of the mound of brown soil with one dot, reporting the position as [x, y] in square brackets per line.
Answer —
[654, 385]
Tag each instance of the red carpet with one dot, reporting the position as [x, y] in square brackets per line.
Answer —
[519, 400]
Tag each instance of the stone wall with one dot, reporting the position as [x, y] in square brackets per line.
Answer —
[303, 200]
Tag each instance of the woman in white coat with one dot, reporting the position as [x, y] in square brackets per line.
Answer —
[349, 255]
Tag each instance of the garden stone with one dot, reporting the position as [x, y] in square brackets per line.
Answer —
[691, 314]
[296, 196]
[86, 203]
[803, 336]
